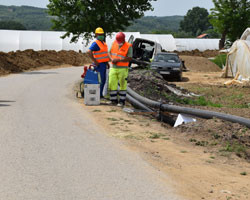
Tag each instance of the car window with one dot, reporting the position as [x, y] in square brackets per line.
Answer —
[166, 58]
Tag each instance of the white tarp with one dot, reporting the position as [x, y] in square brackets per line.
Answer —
[110, 39]
[50, 40]
[11, 40]
[166, 41]
[189, 44]
[26, 41]
[238, 59]
[246, 35]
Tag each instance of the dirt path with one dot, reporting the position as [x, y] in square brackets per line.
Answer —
[198, 173]
[51, 148]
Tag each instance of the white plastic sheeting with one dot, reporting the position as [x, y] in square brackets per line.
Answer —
[238, 59]
[25, 40]
[9, 40]
[46, 40]
[110, 39]
[188, 44]
[49, 40]
[36, 40]
[167, 41]
[246, 35]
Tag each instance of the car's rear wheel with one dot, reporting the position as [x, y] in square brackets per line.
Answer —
[179, 77]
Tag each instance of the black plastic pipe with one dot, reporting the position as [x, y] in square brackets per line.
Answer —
[160, 116]
[138, 104]
[190, 111]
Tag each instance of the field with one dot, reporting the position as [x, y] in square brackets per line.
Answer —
[207, 159]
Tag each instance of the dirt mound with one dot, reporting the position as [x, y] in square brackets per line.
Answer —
[199, 64]
[150, 84]
[19, 61]
[216, 133]
[196, 52]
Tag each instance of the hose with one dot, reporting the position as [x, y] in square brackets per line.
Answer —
[190, 111]
[138, 104]
[160, 116]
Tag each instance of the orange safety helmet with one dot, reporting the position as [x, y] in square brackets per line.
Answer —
[120, 37]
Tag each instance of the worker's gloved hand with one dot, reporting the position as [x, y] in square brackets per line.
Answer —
[95, 63]
[116, 60]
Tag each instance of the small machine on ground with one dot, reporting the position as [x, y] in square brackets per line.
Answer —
[90, 86]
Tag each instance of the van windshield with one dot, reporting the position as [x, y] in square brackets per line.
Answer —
[166, 58]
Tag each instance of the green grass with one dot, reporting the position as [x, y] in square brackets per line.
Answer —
[220, 60]
[155, 135]
[201, 143]
[97, 111]
[111, 111]
[199, 101]
[243, 173]
[112, 119]
[234, 147]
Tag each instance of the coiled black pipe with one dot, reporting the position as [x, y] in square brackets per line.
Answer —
[190, 111]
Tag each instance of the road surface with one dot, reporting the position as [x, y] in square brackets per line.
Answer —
[51, 150]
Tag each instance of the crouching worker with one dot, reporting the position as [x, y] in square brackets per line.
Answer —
[121, 54]
[98, 52]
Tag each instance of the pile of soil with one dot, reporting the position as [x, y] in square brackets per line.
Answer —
[196, 52]
[200, 64]
[20, 61]
[219, 135]
[151, 84]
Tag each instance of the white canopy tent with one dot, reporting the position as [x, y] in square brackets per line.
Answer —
[188, 44]
[167, 41]
[238, 58]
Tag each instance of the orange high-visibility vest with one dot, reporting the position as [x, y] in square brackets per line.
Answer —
[121, 53]
[101, 56]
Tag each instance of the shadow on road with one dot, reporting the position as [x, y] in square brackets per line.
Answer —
[5, 101]
[4, 105]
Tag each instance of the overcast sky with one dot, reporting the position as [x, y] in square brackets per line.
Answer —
[161, 7]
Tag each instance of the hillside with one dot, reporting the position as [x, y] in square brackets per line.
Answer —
[31, 17]
[38, 19]
[149, 23]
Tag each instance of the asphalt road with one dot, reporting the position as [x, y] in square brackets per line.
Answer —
[51, 150]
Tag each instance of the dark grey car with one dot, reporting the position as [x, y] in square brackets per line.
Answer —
[169, 65]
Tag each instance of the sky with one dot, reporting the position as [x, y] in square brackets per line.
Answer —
[161, 7]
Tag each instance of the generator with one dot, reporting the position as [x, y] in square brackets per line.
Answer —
[90, 85]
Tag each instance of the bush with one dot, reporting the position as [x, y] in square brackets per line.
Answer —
[220, 60]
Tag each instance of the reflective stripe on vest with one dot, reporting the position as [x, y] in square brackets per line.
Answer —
[102, 55]
[121, 53]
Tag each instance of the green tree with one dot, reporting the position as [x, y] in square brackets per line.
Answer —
[11, 25]
[195, 21]
[82, 17]
[230, 18]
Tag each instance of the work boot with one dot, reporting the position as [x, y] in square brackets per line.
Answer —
[121, 104]
[112, 103]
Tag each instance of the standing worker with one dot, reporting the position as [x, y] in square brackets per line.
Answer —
[98, 52]
[121, 54]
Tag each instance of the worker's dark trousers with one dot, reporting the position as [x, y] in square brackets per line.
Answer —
[102, 70]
